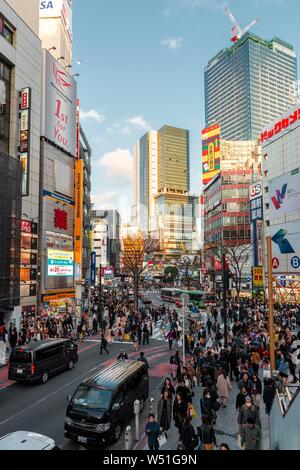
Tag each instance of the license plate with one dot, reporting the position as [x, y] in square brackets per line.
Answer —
[82, 439]
[19, 371]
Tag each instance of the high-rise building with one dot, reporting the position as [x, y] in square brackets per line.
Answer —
[107, 238]
[20, 83]
[145, 182]
[249, 85]
[56, 29]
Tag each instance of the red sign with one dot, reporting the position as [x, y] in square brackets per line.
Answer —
[275, 263]
[25, 226]
[25, 98]
[280, 126]
[60, 219]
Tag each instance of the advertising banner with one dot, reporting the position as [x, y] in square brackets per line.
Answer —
[78, 237]
[25, 128]
[60, 263]
[256, 209]
[59, 105]
[257, 276]
[286, 247]
[51, 8]
[211, 153]
[93, 267]
[285, 194]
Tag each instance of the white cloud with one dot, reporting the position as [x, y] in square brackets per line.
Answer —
[126, 131]
[92, 115]
[118, 163]
[172, 43]
[139, 122]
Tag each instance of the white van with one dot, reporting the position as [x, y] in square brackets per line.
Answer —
[24, 440]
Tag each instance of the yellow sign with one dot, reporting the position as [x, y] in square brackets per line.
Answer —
[78, 235]
[257, 276]
[211, 152]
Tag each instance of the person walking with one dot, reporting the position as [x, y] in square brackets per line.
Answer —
[206, 434]
[188, 435]
[170, 338]
[145, 334]
[251, 435]
[142, 358]
[269, 395]
[206, 405]
[152, 431]
[167, 386]
[180, 409]
[223, 386]
[103, 344]
[164, 410]
[248, 411]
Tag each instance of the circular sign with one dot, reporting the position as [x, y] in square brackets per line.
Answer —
[275, 263]
[295, 262]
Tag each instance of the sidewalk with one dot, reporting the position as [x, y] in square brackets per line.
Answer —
[226, 428]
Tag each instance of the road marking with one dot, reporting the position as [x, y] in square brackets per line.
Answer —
[52, 394]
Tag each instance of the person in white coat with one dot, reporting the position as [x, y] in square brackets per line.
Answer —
[223, 386]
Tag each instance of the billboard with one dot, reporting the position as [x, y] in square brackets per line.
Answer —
[78, 237]
[25, 131]
[60, 263]
[257, 276]
[285, 194]
[59, 105]
[211, 152]
[51, 8]
[286, 247]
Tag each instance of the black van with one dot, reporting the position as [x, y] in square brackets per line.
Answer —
[38, 360]
[104, 403]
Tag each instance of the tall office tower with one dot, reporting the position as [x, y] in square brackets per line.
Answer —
[56, 29]
[249, 85]
[145, 182]
[107, 238]
[175, 208]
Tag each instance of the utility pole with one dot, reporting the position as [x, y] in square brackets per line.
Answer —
[100, 292]
[225, 278]
[270, 303]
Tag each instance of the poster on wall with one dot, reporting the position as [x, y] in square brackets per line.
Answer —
[211, 152]
[60, 263]
[285, 194]
[59, 105]
[286, 247]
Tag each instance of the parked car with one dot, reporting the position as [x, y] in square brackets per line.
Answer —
[38, 360]
[24, 440]
[103, 404]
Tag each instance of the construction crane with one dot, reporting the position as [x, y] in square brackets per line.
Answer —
[237, 31]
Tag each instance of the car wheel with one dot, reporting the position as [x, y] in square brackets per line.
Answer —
[45, 377]
[117, 432]
[70, 365]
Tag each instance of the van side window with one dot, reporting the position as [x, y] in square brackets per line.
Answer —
[48, 353]
[119, 397]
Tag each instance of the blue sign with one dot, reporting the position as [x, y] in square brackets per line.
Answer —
[295, 262]
[93, 267]
[256, 209]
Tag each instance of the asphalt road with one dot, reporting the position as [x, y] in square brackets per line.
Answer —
[41, 408]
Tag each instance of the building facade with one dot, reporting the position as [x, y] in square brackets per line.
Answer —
[226, 206]
[145, 182]
[107, 238]
[249, 85]
[20, 84]
[281, 198]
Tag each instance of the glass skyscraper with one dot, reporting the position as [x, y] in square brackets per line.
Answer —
[249, 85]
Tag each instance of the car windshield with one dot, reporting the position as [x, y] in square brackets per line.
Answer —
[94, 398]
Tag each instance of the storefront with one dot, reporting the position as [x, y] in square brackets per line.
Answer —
[58, 305]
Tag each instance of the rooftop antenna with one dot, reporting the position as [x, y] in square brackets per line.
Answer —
[237, 31]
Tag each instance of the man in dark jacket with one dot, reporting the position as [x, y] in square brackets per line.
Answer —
[103, 344]
[152, 431]
[143, 359]
[248, 411]
[188, 436]
[269, 394]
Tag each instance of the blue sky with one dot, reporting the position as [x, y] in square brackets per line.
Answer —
[142, 65]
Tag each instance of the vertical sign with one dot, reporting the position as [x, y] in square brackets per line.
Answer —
[25, 108]
[78, 219]
[256, 202]
[211, 152]
[77, 128]
[93, 267]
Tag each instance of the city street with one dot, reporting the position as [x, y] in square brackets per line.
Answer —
[41, 408]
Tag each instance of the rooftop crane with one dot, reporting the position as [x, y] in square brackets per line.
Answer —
[237, 31]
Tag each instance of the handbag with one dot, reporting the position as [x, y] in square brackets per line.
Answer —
[162, 439]
[192, 411]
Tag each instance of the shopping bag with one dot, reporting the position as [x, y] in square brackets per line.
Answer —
[162, 439]
[192, 411]
[239, 442]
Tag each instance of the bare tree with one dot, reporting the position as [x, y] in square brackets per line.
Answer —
[187, 265]
[136, 251]
[237, 257]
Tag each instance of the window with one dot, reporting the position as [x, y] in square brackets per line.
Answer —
[6, 30]
[5, 83]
